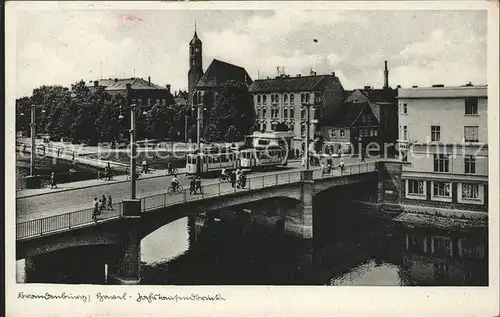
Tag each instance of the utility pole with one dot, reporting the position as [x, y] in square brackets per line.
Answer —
[132, 143]
[185, 128]
[33, 145]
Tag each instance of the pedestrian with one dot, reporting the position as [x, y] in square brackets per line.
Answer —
[95, 209]
[341, 165]
[233, 178]
[303, 160]
[104, 200]
[322, 168]
[169, 167]
[110, 202]
[362, 156]
[198, 183]
[53, 182]
[102, 206]
[99, 175]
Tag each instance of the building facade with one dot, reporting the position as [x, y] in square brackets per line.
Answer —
[144, 93]
[352, 129]
[443, 138]
[282, 99]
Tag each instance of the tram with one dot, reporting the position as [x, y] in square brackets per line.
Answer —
[263, 157]
[212, 159]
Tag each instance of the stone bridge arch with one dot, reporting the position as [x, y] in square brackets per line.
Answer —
[153, 220]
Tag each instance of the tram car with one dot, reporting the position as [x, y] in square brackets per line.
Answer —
[255, 157]
[212, 159]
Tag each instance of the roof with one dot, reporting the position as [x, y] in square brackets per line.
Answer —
[375, 109]
[346, 115]
[374, 95]
[443, 92]
[291, 84]
[220, 72]
[195, 40]
[181, 101]
[137, 84]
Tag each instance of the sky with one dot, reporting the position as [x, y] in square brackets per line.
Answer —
[422, 47]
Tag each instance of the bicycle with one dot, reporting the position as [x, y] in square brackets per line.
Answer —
[173, 170]
[137, 175]
[224, 178]
[177, 190]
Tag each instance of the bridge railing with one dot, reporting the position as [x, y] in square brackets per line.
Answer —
[39, 227]
[217, 189]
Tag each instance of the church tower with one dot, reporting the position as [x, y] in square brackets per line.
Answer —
[195, 65]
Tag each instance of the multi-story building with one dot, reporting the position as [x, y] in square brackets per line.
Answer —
[281, 99]
[144, 93]
[352, 129]
[443, 138]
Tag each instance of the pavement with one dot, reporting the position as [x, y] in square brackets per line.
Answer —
[39, 203]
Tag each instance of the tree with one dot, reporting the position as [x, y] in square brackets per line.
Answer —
[232, 134]
[233, 107]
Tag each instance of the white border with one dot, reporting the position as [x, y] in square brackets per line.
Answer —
[246, 301]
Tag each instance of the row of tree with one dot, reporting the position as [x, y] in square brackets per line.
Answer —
[81, 114]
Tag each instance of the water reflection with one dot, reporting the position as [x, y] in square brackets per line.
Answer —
[233, 248]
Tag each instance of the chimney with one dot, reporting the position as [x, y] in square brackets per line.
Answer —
[386, 76]
[168, 88]
[96, 83]
[367, 87]
[149, 80]
[333, 74]
[299, 75]
[414, 86]
[312, 73]
[399, 86]
[116, 80]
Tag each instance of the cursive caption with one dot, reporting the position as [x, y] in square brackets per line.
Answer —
[103, 297]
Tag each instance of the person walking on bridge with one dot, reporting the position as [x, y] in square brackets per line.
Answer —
[95, 210]
[53, 182]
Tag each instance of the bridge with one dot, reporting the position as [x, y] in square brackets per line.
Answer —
[131, 220]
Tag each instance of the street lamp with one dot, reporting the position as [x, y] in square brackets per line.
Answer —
[308, 106]
[198, 103]
[32, 180]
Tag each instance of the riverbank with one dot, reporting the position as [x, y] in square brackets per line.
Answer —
[421, 216]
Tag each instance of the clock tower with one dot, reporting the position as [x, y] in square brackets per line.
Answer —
[195, 65]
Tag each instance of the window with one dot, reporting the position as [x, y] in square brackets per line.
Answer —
[258, 99]
[470, 191]
[302, 113]
[285, 98]
[405, 132]
[285, 112]
[471, 134]
[375, 132]
[264, 99]
[470, 106]
[470, 164]
[264, 113]
[435, 133]
[342, 133]
[333, 133]
[292, 99]
[368, 119]
[292, 113]
[415, 187]
[441, 189]
[302, 130]
[405, 108]
[302, 98]
[371, 132]
[441, 163]
[307, 97]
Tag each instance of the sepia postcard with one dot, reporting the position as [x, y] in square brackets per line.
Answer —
[252, 158]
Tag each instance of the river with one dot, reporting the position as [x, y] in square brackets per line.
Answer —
[226, 248]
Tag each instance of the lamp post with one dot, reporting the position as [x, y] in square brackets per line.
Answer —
[307, 106]
[185, 128]
[32, 181]
[198, 103]
[132, 142]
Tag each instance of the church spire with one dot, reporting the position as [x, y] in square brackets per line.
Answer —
[195, 28]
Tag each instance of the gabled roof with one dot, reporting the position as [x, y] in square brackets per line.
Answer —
[291, 84]
[181, 101]
[220, 72]
[347, 115]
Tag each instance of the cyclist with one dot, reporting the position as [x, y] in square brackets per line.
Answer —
[169, 167]
[175, 183]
